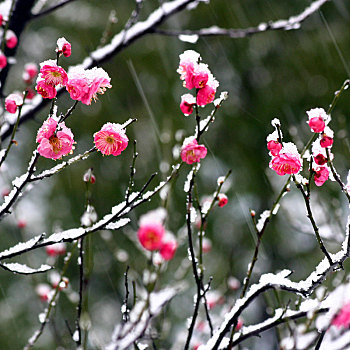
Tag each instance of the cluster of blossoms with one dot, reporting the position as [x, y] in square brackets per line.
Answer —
[152, 235]
[15, 99]
[54, 138]
[11, 41]
[82, 84]
[196, 74]
[318, 119]
[286, 159]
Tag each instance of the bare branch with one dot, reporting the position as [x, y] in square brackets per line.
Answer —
[50, 9]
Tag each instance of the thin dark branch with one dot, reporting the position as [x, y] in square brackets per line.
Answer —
[81, 285]
[50, 9]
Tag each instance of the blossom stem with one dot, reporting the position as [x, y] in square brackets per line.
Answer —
[336, 176]
[306, 197]
[259, 236]
[132, 173]
[14, 130]
[7, 23]
[69, 112]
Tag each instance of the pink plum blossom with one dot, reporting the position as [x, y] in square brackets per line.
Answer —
[151, 235]
[206, 94]
[191, 152]
[30, 72]
[43, 290]
[3, 60]
[274, 147]
[326, 141]
[206, 245]
[54, 144]
[288, 161]
[342, 318]
[321, 175]
[187, 103]
[52, 73]
[188, 60]
[168, 249]
[111, 139]
[320, 159]
[56, 249]
[45, 90]
[327, 137]
[30, 94]
[222, 200]
[11, 39]
[84, 85]
[12, 102]
[64, 47]
[318, 119]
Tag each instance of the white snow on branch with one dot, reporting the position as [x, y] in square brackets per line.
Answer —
[280, 281]
[140, 316]
[24, 269]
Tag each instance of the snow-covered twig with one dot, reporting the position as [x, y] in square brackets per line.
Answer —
[119, 42]
[280, 281]
[293, 22]
[140, 316]
[112, 221]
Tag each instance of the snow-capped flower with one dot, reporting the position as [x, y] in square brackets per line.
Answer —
[233, 283]
[45, 90]
[52, 73]
[84, 85]
[187, 103]
[11, 39]
[206, 245]
[321, 175]
[56, 249]
[12, 102]
[191, 152]
[188, 60]
[30, 72]
[222, 200]
[54, 144]
[168, 249]
[64, 47]
[43, 290]
[89, 217]
[288, 161]
[214, 298]
[111, 139]
[318, 119]
[151, 235]
[89, 177]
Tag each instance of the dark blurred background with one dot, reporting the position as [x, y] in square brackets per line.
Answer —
[274, 74]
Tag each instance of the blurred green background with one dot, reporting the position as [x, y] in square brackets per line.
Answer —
[274, 74]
